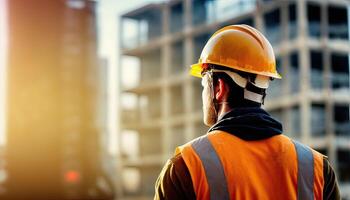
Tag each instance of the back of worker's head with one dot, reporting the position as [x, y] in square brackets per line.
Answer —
[242, 90]
[240, 60]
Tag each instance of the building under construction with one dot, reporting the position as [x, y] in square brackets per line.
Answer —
[55, 103]
[162, 107]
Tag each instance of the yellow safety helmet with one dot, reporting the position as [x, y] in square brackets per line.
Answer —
[239, 47]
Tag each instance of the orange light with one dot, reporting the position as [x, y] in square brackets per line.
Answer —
[72, 176]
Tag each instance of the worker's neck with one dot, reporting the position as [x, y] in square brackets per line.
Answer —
[223, 109]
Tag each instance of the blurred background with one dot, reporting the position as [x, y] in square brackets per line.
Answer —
[95, 95]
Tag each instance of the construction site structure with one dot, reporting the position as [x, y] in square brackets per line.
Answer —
[161, 104]
[56, 104]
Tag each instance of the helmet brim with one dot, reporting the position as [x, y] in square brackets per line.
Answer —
[196, 70]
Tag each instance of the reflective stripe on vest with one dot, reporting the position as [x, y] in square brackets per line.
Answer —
[213, 169]
[305, 171]
[216, 179]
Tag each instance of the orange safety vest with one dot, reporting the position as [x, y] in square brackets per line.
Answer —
[223, 166]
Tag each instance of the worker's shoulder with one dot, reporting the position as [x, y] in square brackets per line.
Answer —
[175, 180]
[314, 151]
[176, 160]
[171, 166]
[181, 148]
[175, 168]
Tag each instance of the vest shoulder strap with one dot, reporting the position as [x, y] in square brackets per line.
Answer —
[305, 184]
[214, 170]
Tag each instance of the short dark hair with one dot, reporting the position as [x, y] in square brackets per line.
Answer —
[236, 93]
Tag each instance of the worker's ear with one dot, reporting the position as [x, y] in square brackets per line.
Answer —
[221, 90]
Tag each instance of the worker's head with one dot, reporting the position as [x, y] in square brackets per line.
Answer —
[236, 66]
[229, 89]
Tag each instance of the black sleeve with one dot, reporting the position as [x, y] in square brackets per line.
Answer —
[174, 181]
[330, 188]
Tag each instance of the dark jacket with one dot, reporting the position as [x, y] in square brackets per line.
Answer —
[174, 181]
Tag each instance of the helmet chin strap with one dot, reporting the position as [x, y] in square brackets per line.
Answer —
[224, 102]
[254, 88]
[212, 93]
[259, 98]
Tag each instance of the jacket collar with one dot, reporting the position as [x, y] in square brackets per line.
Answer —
[248, 123]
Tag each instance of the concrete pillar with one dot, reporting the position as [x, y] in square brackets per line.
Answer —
[187, 14]
[329, 104]
[258, 17]
[165, 88]
[284, 56]
[304, 72]
[188, 85]
[284, 22]
[119, 161]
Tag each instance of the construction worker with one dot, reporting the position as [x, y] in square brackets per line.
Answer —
[244, 154]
